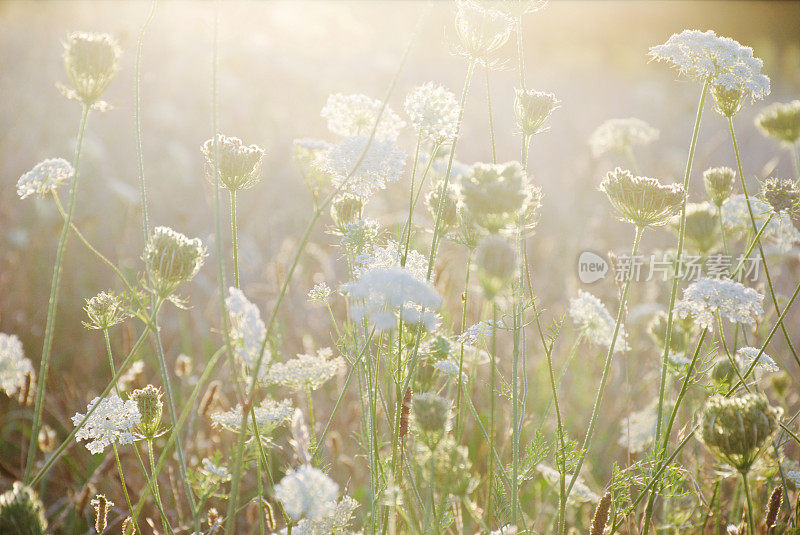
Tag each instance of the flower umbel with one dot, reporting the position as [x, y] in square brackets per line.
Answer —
[706, 297]
[621, 135]
[306, 371]
[640, 200]
[91, 61]
[433, 111]
[171, 259]
[307, 493]
[45, 177]
[239, 165]
[781, 121]
[112, 421]
[532, 109]
[104, 310]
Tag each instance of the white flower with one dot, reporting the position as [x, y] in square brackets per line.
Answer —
[14, 366]
[247, 332]
[620, 135]
[706, 297]
[270, 414]
[389, 293]
[306, 371]
[353, 115]
[450, 368]
[320, 292]
[591, 316]
[721, 60]
[794, 477]
[638, 429]
[746, 355]
[216, 471]
[508, 529]
[335, 522]
[383, 162]
[481, 32]
[580, 491]
[307, 492]
[126, 379]
[476, 334]
[45, 177]
[780, 230]
[389, 256]
[433, 111]
[112, 421]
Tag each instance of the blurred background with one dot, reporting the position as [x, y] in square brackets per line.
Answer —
[278, 61]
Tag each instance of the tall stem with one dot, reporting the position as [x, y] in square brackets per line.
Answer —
[52, 305]
[137, 113]
[234, 238]
[750, 522]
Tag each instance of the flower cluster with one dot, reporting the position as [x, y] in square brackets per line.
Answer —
[91, 61]
[640, 200]
[112, 421]
[306, 371]
[45, 177]
[238, 165]
[706, 297]
[104, 310]
[621, 135]
[781, 121]
[14, 366]
[481, 31]
[269, 415]
[361, 166]
[356, 115]
[248, 332]
[592, 318]
[172, 259]
[433, 111]
[307, 493]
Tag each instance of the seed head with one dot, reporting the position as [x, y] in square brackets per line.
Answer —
[101, 506]
[641, 200]
[735, 429]
[431, 412]
[21, 511]
[481, 31]
[719, 183]
[148, 399]
[532, 109]
[600, 518]
[450, 207]
[773, 506]
[128, 527]
[405, 410]
[104, 310]
[91, 61]
[781, 122]
[238, 165]
[782, 194]
[47, 439]
[496, 261]
[346, 209]
[172, 259]
[728, 99]
[183, 365]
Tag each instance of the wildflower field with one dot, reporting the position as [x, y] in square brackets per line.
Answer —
[506, 267]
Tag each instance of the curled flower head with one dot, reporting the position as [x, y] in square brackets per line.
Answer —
[718, 182]
[783, 194]
[592, 318]
[346, 209]
[238, 165]
[91, 61]
[433, 111]
[148, 400]
[736, 429]
[727, 65]
[247, 333]
[450, 205]
[307, 493]
[496, 261]
[640, 200]
[172, 259]
[356, 115]
[111, 421]
[45, 177]
[701, 229]
[481, 31]
[747, 355]
[306, 152]
[382, 162]
[706, 297]
[621, 135]
[431, 412]
[21, 511]
[269, 415]
[781, 122]
[104, 310]
[532, 109]
[14, 366]
[306, 371]
[496, 194]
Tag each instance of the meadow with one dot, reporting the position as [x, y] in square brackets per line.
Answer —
[317, 267]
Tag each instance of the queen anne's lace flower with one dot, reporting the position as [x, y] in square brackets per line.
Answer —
[706, 297]
[306, 371]
[638, 429]
[45, 177]
[383, 163]
[433, 111]
[780, 230]
[247, 332]
[14, 366]
[781, 121]
[477, 333]
[620, 135]
[319, 292]
[216, 471]
[592, 318]
[269, 415]
[746, 355]
[388, 256]
[355, 115]
[335, 522]
[481, 31]
[722, 61]
[450, 368]
[581, 493]
[112, 421]
[389, 293]
[640, 200]
[307, 492]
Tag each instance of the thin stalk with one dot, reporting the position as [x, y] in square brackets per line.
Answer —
[606, 367]
[137, 117]
[562, 498]
[234, 238]
[52, 305]
[122, 482]
[491, 120]
[750, 522]
[492, 383]
[793, 150]
[722, 231]
[464, 297]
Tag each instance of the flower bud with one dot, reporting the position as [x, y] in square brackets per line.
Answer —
[148, 399]
[532, 109]
[171, 259]
[496, 194]
[729, 101]
[735, 429]
[781, 122]
[496, 261]
[91, 61]
[46, 439]
[21, 511]
[104, 310]
[450, 206]
[346, 209]
[719, 183]
[239, 166]
[431, 412]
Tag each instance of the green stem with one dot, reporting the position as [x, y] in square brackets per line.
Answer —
[124, 487]
[491, 424]
[750, 522]
[52, 305]
[459, 418]
[234, 237]
[137, 116]
[491, 120]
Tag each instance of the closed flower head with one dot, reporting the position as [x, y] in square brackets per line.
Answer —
[91, 61]
[172, 259]
[719, 183]
[148, 400]
[781, 122]
[496, 194]
[736, 429]
[431, 412]
[104, 310]
[701, 226]
[532, 109]
[21, 511]
[450, 205]
[642, 201]
[481, 31]
[782, 194]
[346, 209]
[238, 165]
